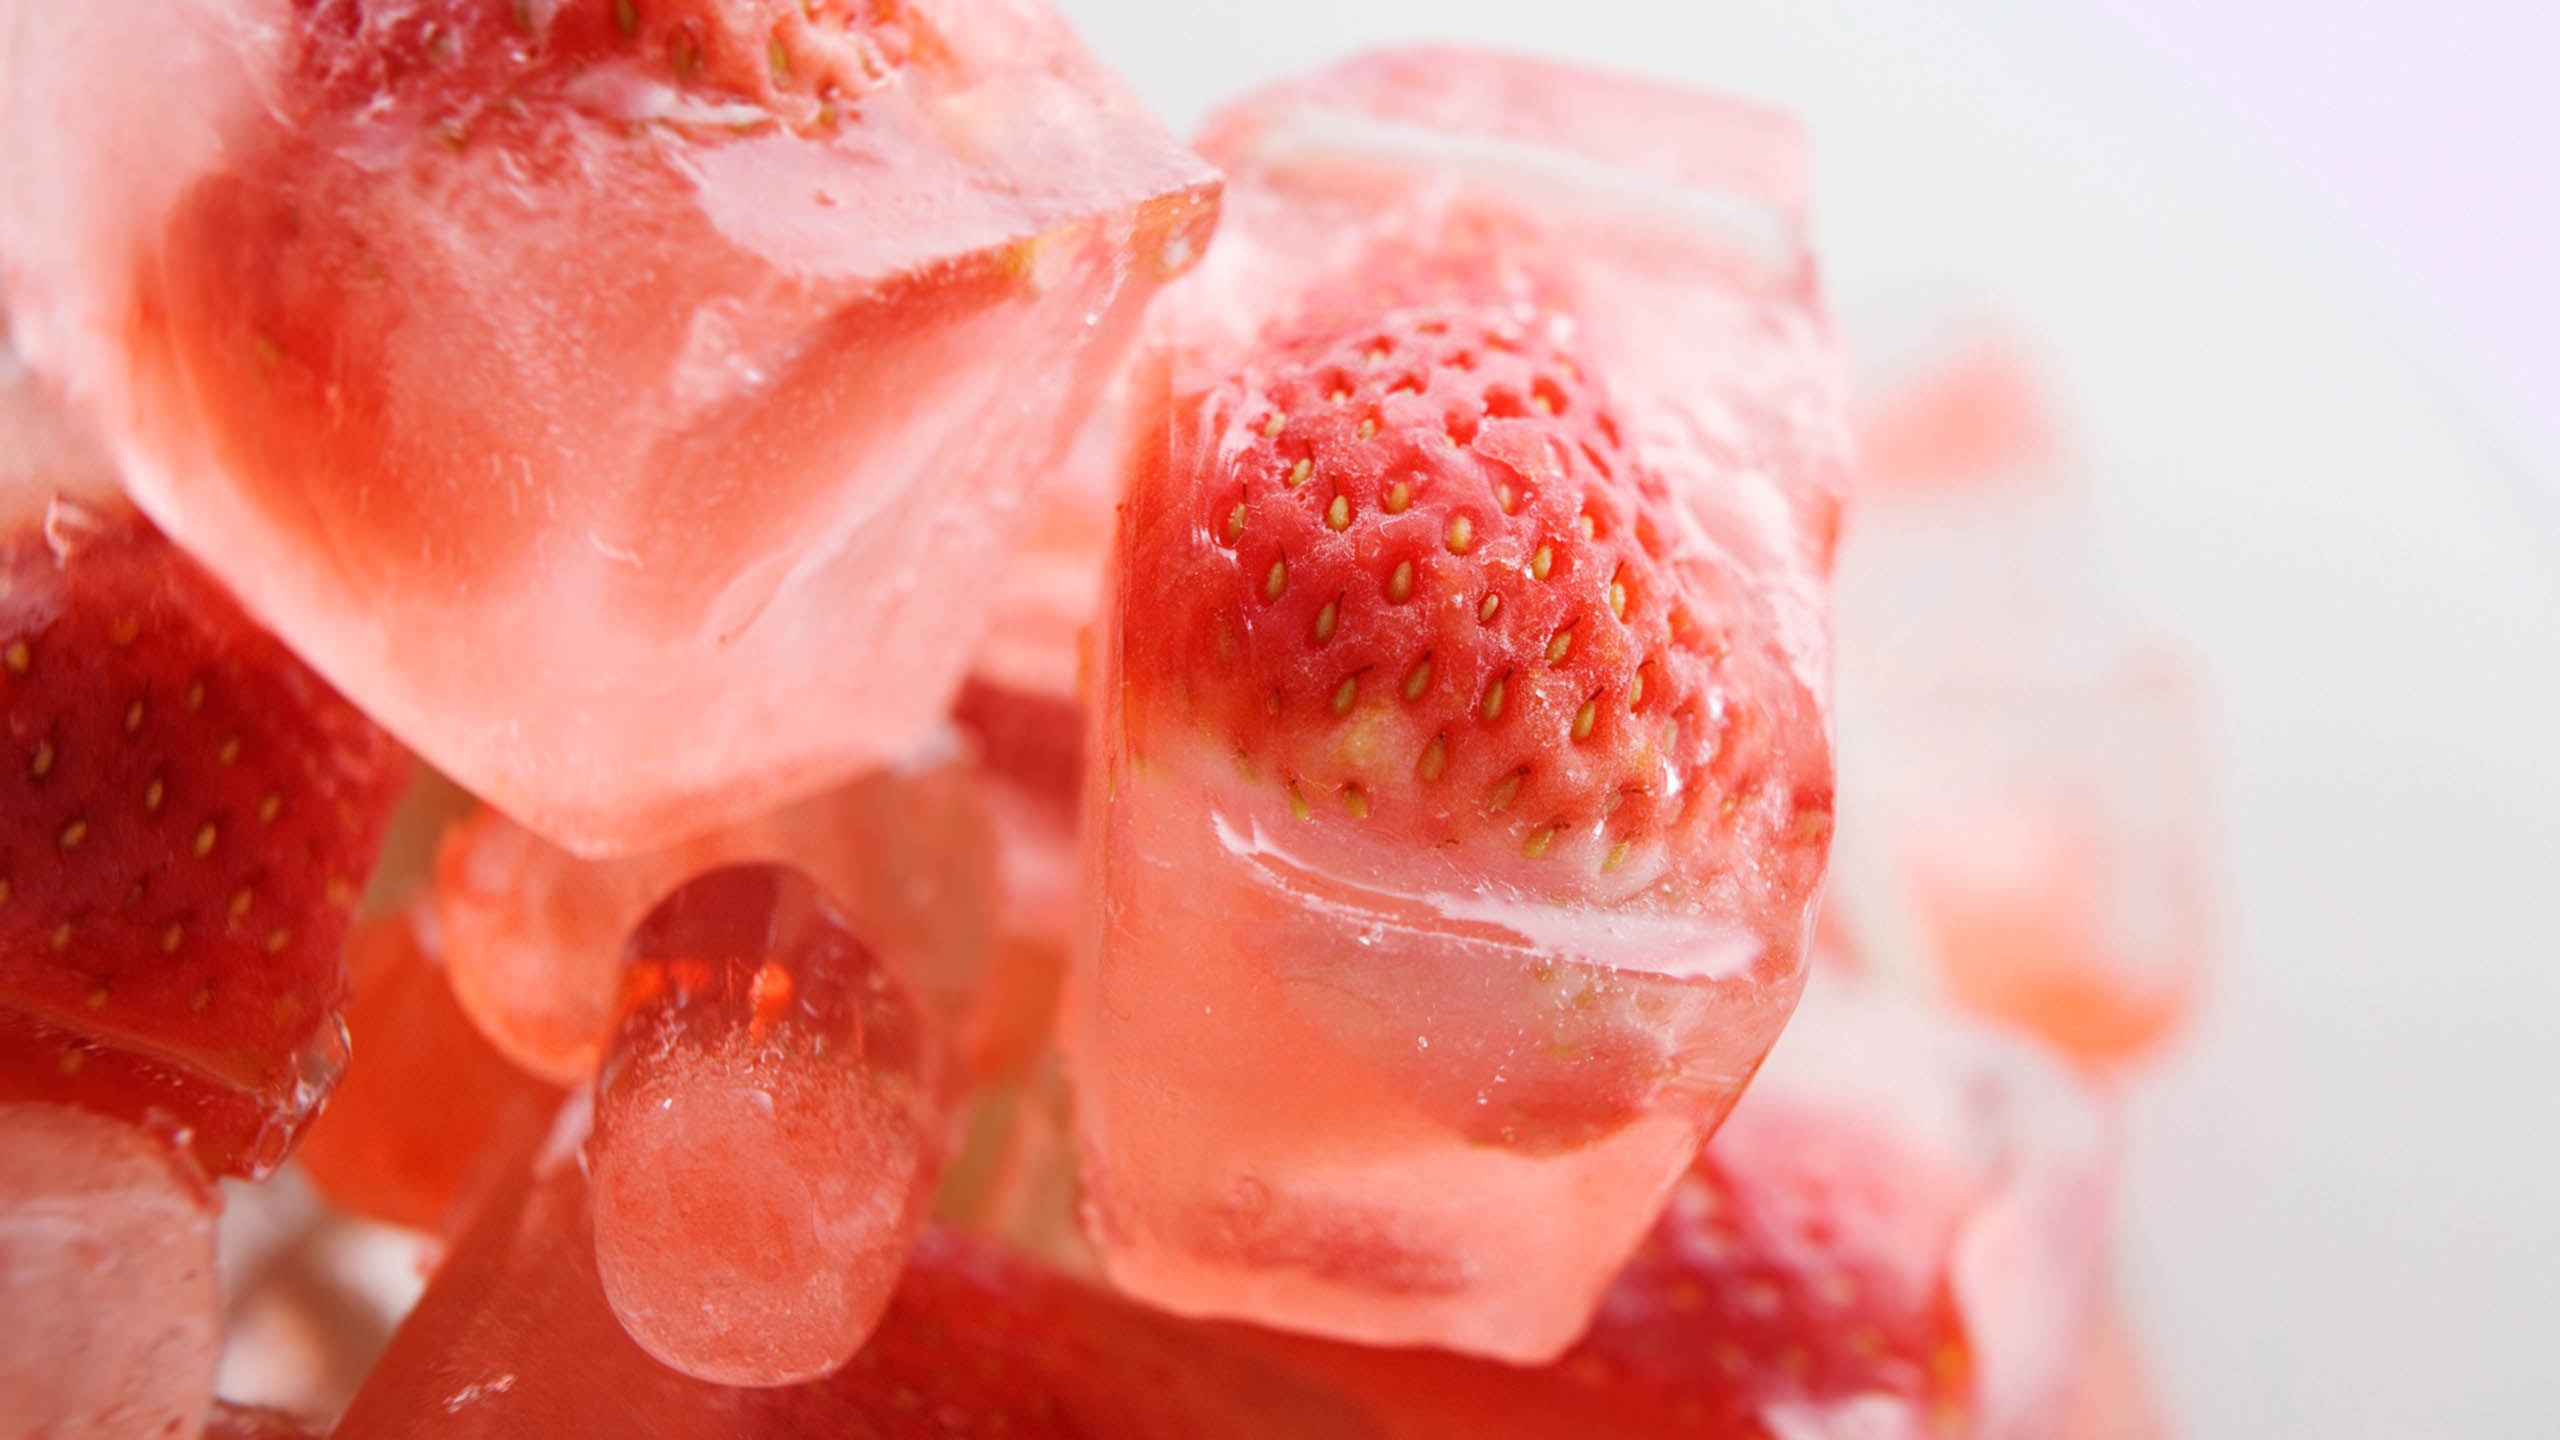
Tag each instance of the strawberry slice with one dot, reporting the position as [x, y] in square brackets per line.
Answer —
[186, 818]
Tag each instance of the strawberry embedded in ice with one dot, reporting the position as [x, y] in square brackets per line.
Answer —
[190, 815]
[1462, 761]
[632, 405]
[1440, 595]
[767, 1130]
[108, 1305]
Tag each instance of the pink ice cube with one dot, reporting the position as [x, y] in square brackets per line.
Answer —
[1349, 1043]
[110, 1324]
[767, 1130]
[632, 407]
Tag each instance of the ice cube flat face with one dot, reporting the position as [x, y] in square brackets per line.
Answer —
[1315, 1106]
[1334, 1077]
[107, 1290]
[609, 409]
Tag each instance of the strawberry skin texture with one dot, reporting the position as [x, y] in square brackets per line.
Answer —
[1408, 571]
[187, 815]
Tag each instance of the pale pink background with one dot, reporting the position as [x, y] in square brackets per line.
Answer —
[2431, 133]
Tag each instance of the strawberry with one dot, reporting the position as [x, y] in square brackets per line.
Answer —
[186, 819]
[1407, 569]
[1804, 1264]
[1798, 1280]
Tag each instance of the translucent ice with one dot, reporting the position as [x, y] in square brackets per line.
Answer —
[1898, 1234]
[768, 1126]
[110, 1325]
[1461, 782]
[631, 406]
[2032, 768]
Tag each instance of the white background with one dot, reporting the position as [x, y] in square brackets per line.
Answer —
[2346, 1185]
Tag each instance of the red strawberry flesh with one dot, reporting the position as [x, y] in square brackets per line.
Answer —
[190, 815]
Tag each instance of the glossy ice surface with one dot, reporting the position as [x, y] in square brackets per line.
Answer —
[1329, 1075]
[768, 1127]
[424, 1097]
[533, 934]
[110, 1324]
[560, 379]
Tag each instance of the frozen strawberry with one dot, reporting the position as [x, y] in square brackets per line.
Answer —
[534, 934]
[1462, 779]
[424, 1096]
[514, 1338]
[2033, 768]
[1897, 1234]
[631, 402]
[189, 816]
[768, 1127]
[110, 1322]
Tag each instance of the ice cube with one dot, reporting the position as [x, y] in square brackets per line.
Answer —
[2033, 766]
[768, 1126]
[1378, 997]
[631, 407]
[108, 1304]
